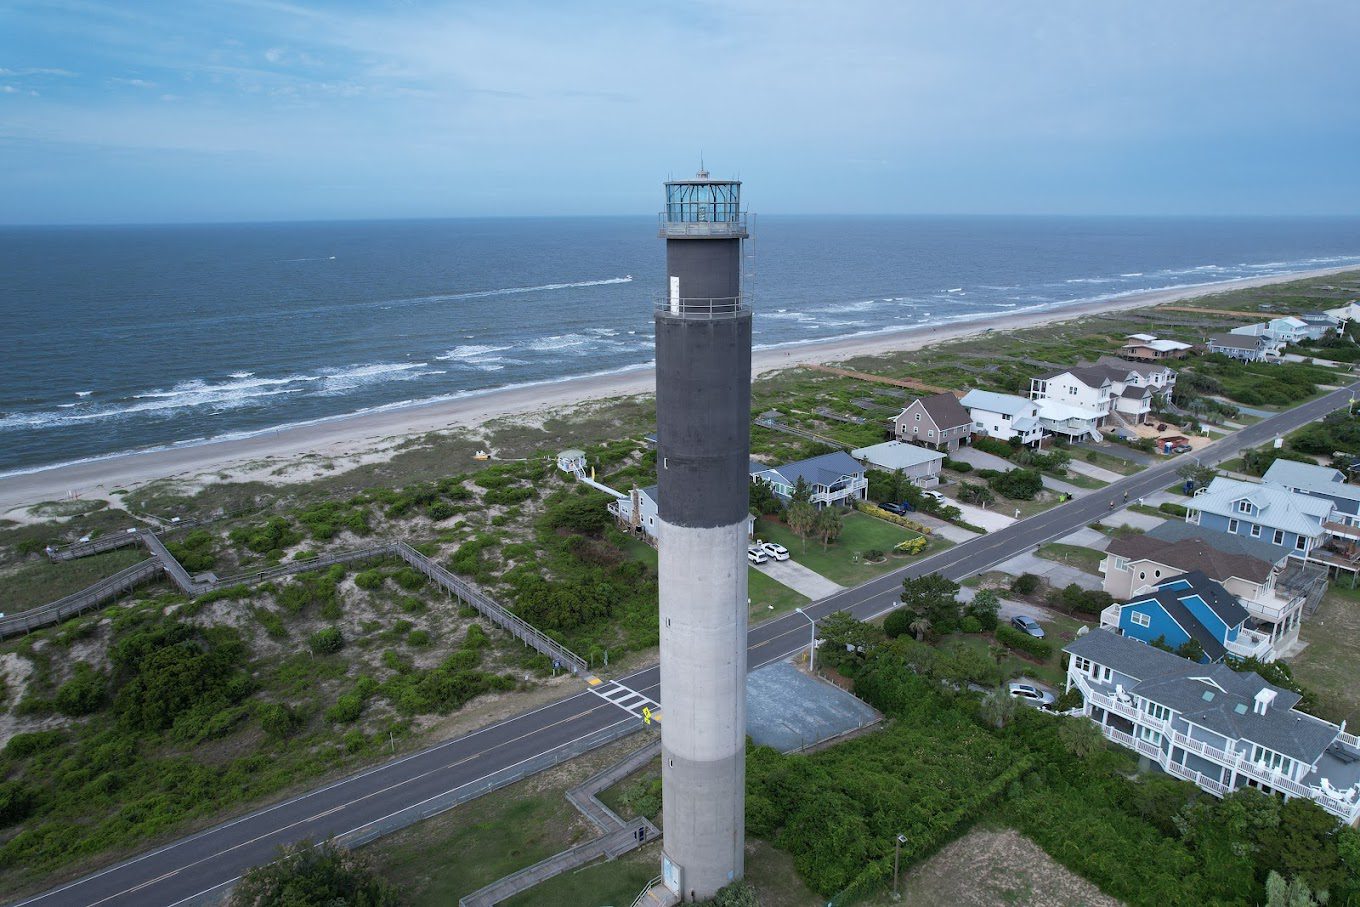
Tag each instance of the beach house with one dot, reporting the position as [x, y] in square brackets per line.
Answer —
[636, 512]
[1294, 522]
[834, 478]
[1189, 607]
[1004, 416]
[1245, 347]
[919, 464]
[1319, 482]
[1220, 729]
[1272, 586]
[1083, 387]
[1316, 325]
[937, 421]
[1160, 379]
[1149, 348]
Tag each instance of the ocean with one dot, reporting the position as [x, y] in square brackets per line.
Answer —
[124, 338]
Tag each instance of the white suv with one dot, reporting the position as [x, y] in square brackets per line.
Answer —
[778, 552]
[756, 555]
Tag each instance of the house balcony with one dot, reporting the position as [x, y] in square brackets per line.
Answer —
[1251, 644]
[1109, 617]
[840, 491]
[1271, 608]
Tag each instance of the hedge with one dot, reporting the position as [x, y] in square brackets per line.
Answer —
[1012, 638]
[1174, 509]
[880, 513]
[912, 546]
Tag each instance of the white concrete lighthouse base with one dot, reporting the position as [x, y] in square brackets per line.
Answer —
[703, 704]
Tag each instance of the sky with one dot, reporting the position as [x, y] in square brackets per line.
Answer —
[183, 111]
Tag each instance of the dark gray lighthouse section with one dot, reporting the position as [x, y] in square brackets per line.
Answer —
[703, 402]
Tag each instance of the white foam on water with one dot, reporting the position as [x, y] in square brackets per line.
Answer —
[83, 393]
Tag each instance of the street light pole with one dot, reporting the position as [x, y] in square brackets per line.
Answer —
[812, 643]
[897, 856]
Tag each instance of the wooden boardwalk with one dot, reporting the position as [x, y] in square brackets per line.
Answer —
[879, 379]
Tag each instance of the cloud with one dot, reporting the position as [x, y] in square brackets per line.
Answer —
[36, 71]
[135, 83]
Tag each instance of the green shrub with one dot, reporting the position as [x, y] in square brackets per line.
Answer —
[326, 641]
[1177, 510]
[17, 802]
[419, 638]
[1012, 638]
[84, 694]
[1025, 584]
[959, 466]
[26, 744]
[271, 621]
[170, 672]
[369, 579]
[278, 720]
[304, 875]
[970, 624]
[195, 552]
[1018, 484]
[347, 709]
[276, 533]
[409, 578]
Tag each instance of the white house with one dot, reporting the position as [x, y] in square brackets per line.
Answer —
[1004, 416]
[1316, 325]
[1083, 387]
[1343, 315]
[834, 478]
[1221, 729]
[1073, 422]
[1159, 378]
[919, 464]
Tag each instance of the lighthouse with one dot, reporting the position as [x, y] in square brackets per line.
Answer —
[703, 411]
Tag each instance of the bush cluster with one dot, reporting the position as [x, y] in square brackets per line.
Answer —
[1012, 638]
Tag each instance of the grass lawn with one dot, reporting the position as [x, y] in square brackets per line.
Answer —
[1327, 665]
[1085, 559]
[437, 861]
[40, 582]
[606, 882]
[840, 561]
[769, 598]
[1060, 630]
[1107, 461]
[1079, 480]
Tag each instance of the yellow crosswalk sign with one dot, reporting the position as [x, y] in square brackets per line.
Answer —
[646, 715]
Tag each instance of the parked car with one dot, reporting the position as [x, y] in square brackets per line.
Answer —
[935, 496]
[778, 552]
[901, 508]
[1182, 448]
[1026, 624]
[1030, 693]
[756, 555]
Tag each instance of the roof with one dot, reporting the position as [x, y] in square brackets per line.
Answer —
[1136, 391]
[1214, 697]
[1026, 424]
[1289, 321]
[1123, 365]
[1058, 411]
[1236, 341]
[896, 455]
[944, 410]
[1277, 508]
[1195, 553]
[1146, 338]
[1224, 542]
[1309, 477]
[1316, 318]
[1172, 596]
[1089, 375]
[1009, 404]
[823, 470]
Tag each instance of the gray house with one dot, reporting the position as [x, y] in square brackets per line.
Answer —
[1319, 482]
[937, 421]
[920, 464]
[1284, 519]
[834, 478]
[1240, 346]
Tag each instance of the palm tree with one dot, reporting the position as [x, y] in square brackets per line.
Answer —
[919, 628]
[1081, 737]
[998, 708]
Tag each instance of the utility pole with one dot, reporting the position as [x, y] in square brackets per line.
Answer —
[897, 858]
[812, 643]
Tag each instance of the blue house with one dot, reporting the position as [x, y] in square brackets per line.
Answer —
[1266, 512]
[1317, 482]
[1190, 606]
[834, 478]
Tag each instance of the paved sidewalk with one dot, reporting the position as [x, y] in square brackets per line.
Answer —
[799, 578]
[1087, 537]
[991, 520]
[943, 528]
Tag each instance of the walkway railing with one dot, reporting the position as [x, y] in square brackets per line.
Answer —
[105, 590]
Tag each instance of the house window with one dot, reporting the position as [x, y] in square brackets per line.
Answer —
[1081, 665]
[1121, 564]
[918, 417]
[1157, 574]
[1151, 736]
[1103, 674]
[1142, 574]
[1160, 712]
[1300, 543]
[1279, 536]
[1244, 506]
[1232, 526]
[930, 433]
[1140, 619]
[1255, 531]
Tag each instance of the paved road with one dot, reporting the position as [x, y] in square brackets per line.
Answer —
[210, 860]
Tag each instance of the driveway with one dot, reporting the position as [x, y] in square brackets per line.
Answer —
[799, 578]
[1009, 607]
[1057, 574]
[1082, 468]
[983, 460]
[990, 520]
[1134, 520]
[1118, 450]
[1086, 537]
[943, 528]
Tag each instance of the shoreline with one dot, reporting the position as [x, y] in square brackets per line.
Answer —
[374, 435]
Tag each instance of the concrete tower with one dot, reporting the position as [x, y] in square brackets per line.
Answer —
[703, 413]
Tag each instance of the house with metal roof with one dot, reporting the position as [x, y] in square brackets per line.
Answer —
[1149, 348]
[1282, 518]
[1189, 607]
[1273, 587]
[937, 421]
[1004, 416]
[1221, 729]
[1319, 482]
[920, 464]
[834, 478]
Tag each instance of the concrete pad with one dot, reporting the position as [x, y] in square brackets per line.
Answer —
[980, 459]
[990, 520]
[789, 710]
[1086, 537]
[1057, 574]
[799, 578]
[1082, 468]
[1059, 485]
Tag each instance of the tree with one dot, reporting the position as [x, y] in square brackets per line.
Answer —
[919, 628]
[802, 492]
[1197, 474]
[1081, 737]
[976, 494]
[763, 499]
[801, 517]
[998, 708]
[933, 597]
[304, 875]
[984, 607]
[828, 525]
[1191, 650]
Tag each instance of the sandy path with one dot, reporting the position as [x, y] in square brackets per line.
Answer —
[358, 436]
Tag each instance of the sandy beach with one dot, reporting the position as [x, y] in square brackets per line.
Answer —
[366, 437]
